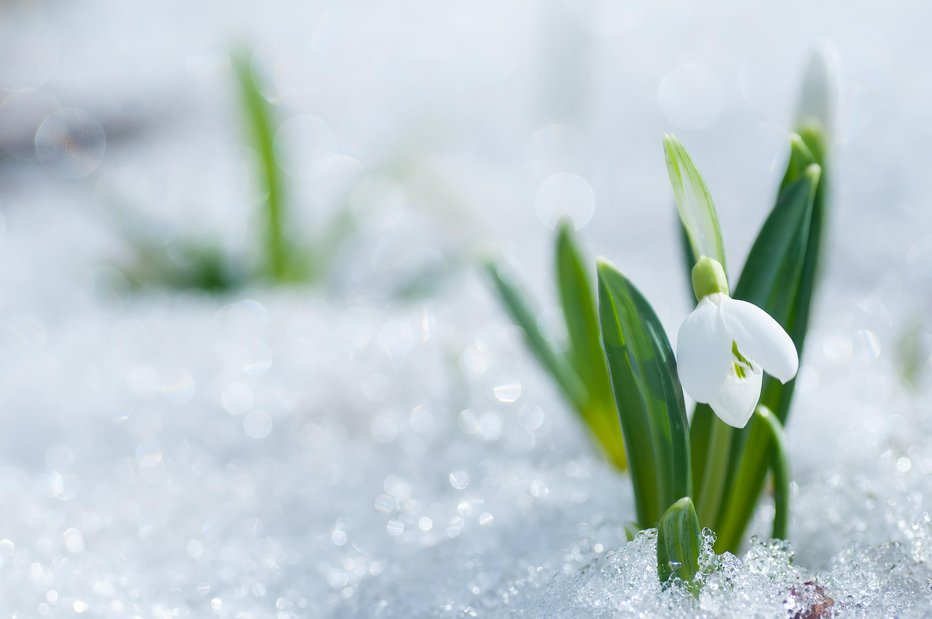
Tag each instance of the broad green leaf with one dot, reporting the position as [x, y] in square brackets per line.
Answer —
[585, 353]
[648, 396]
[693, 203]
[519, 309]
[679, 542]
[780, 468]
[259, 119]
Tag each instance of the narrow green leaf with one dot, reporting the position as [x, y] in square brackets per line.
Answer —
[779, 277]
[693, 203]
[519, 309]
[801, 157]
[679, 542]
[579, 310]
[648, 396]
[780, 466]
[774, 267]
[259, 119]
[586, 354]
[777, 267]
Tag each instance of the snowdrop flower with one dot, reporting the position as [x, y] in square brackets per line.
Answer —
[725, 344]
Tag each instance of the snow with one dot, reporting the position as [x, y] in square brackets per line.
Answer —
[352, 451]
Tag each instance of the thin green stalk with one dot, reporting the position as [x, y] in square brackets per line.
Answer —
[712, 488]
[780, 466]
[744, 488]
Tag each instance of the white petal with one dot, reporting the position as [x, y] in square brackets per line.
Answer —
[760, 338]
[703, 352]
[735, 402]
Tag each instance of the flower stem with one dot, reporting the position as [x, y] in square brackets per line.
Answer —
[709, 499]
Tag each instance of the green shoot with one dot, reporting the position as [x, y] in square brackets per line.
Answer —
[261, 125]
[679, 543]
[585, 353]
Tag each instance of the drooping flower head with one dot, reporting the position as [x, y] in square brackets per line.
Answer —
[725, 345]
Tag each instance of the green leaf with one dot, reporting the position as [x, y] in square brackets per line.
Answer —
[679, 542]
[519, 309]
[801, 157]
[585, 353]
[648, 396]
[260, 123]
[693, 203]
[780, 467]
[779, 277]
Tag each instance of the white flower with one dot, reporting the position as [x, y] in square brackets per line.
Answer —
[722, 348]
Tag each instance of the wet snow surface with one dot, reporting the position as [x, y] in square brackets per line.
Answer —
[355, 450]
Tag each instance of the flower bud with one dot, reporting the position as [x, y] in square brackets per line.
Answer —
[708, 278]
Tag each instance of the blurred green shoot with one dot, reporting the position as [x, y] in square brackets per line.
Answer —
[185, 266]
[580, 372]
[261, 125]
[189, 263]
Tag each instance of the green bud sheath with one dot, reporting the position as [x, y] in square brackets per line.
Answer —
[708, 278]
